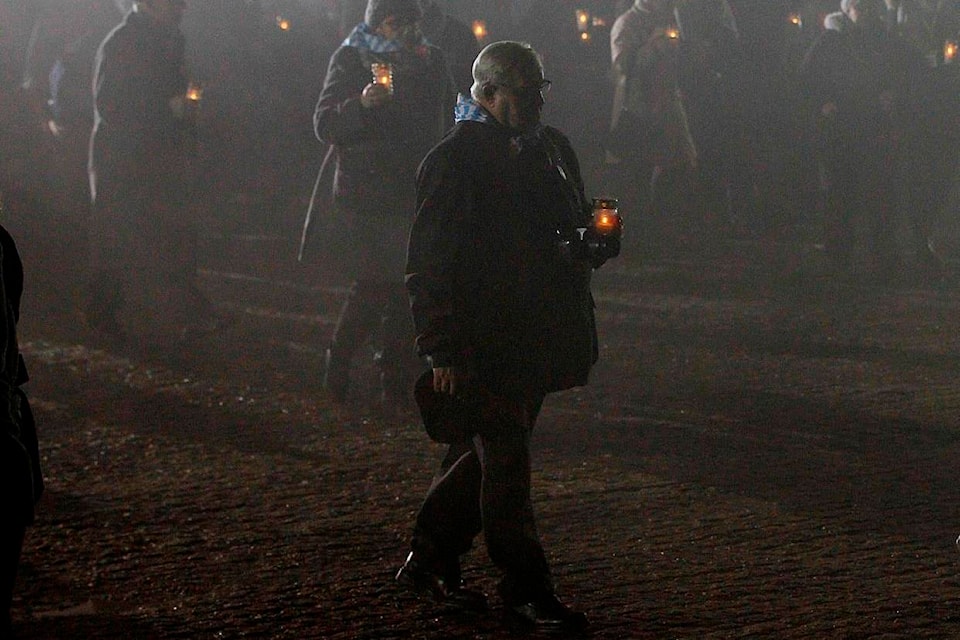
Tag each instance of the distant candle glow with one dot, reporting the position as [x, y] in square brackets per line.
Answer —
[480, 30]
[194, 92]
[949, 51]
[583, 20]
[283, 23]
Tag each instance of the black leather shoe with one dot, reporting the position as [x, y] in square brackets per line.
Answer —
[446, 590]
[548, 613]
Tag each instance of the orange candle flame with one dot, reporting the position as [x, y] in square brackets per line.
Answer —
[383, 74]
[480, 30]
[194, 92]
[583, 20]
[949, 51]
[606, 216]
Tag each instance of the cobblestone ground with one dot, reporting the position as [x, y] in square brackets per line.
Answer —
[765, 452]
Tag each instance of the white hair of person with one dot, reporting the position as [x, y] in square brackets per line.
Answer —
[504, 63]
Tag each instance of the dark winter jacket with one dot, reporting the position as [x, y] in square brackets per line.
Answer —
[876, 81]
[377, 151]
[491, 288]
[138, 141]
[19, 453]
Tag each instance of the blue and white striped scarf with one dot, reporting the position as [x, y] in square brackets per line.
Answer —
[363, 37]
[469, 110]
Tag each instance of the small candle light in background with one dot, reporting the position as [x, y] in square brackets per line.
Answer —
[599, 22]
[796, 20]
[194, 92]
[584, 36]
[283, 23]
[480, 31]
[606, 217]
[583, 20]
[673, 33]
[383, 74]
[949, 51]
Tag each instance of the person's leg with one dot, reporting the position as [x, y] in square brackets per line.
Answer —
[397, 360]
[11, 544]
[359, 315]
[449, 518]
[509, 524]
[446, 525]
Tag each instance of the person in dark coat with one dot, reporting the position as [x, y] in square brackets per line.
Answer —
[454, 38]
[865, 86]
[143, 235]
[22, 478]
[503, 311]
[379, 135]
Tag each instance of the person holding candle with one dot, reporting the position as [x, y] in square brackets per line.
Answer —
[499, 289]
[142, 276]
[386, 99]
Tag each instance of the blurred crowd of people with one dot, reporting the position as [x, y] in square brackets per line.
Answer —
[828, 120]
[140, 124]
[731, 90]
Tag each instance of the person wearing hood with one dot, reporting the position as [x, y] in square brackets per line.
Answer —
[379, 129]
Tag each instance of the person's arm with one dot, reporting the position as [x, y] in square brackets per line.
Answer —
[435, 238]
[343, 114]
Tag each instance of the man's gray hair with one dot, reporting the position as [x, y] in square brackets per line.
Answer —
[505, 63]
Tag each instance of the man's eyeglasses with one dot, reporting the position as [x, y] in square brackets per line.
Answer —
[528, 92]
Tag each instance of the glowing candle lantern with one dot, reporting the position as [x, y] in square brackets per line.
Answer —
[583, 20]
[796, 20]
[383, 74]
[283, 23]
[673, 33]
[194, 92]
[949, 51]
[480, 30]
[606, 217]
[584, 36]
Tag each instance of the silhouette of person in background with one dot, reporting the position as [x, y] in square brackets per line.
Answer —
[455, 39]
[19, 451]
[649, 139]
[143, 231]
[379, 131]
[864, 84]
